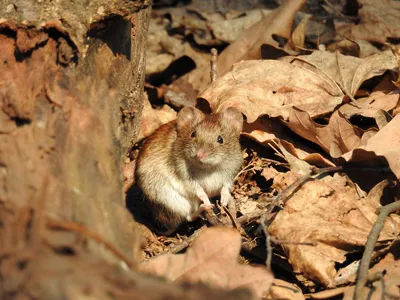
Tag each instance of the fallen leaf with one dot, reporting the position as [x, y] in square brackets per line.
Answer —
[272, 88]
[163, 49]
[298, 166]
[299, 34]
[396, 53]
[268, 130]
[285, 291]
[343, 274]
[212, 260]
[348, 72]
[330, 294]
[346, 47]
[383, 149]
[248, 44]
[230, 30]
[390, 268]
[382, 118]
[378, 21]
[151, 118]
[369, 106]
[336, 138]
[328, 212]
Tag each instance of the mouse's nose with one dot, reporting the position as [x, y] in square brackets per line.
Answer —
[201, 154]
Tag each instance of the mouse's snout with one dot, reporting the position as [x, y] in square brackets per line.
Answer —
[201, 154]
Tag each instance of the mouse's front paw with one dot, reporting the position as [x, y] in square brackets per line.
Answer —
[225, 196]
[206, 206]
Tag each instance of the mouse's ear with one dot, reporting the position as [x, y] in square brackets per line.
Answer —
[232, 117]
[189, 116]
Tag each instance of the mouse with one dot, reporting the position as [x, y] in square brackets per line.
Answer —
[188, 161]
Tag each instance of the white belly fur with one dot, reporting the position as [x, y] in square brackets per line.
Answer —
[212, 184]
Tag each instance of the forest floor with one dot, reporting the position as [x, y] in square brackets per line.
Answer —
[315, 202]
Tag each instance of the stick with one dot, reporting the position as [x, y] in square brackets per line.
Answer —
[186, 243]
[362, 274]
[268, 246]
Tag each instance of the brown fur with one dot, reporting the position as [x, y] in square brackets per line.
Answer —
[168, 170]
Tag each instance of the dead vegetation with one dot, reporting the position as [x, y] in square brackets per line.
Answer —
[316, 201]
[316, 204]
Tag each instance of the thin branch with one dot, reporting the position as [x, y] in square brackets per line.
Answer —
[268, 246]
[285, 242]
[362, 274]
[212, 217]
[184, 244]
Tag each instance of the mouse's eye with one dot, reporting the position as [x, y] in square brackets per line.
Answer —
[193, 134]
[220, 139]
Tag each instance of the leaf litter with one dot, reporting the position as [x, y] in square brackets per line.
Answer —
[321, 155]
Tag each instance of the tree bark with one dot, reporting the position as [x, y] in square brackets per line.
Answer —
[71, 85]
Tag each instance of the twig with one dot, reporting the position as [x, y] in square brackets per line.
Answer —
[212, 218]
[231, 212]
[284, 242]
[277, 153]
[213, 64]
[70, 226]
[233, 220]
[268, 246]
[362, 274]
[184, 244]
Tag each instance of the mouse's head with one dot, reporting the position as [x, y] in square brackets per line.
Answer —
[207, 141]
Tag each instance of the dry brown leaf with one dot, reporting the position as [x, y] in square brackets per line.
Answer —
[248, 45]
[163, 49]
[347, 272]
[336, 138]
[382, 118]
[381, 149]
[330, 294]
[346, 47]
[212, 260]
[298, 166]
[306, 154]
[378, 21]
[269, 173]
[348, 72]
[396, 53]
[329, 213]
[390, 267]
[369, 106]
[284, 291]
[151, 118]
[230, 30]
[267, 130]
[299, 34]
[271, 88]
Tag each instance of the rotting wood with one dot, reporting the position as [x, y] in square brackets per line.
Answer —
[70, 98]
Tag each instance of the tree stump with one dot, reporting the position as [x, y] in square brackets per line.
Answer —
[71, 84]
